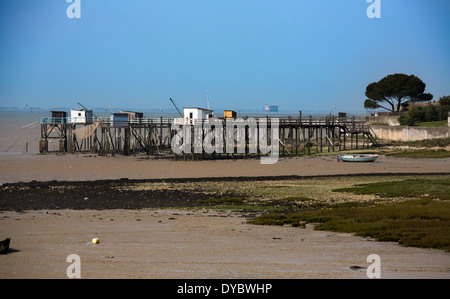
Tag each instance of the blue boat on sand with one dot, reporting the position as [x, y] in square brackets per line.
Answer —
[357, 158]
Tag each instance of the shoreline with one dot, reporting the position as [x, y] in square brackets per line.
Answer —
[37, 167]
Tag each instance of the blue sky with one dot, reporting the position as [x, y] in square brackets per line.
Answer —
[298, 54]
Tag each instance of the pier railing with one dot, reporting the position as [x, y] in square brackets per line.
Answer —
[105, 120]
[348, 125]
[54, 120]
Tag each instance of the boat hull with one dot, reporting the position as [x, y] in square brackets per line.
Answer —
[357, 158]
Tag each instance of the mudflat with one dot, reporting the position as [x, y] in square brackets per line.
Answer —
[196, 243]
[28, 167]
[142, 238]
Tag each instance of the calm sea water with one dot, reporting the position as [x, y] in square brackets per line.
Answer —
[19, 132]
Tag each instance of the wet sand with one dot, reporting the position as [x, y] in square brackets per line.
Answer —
[28, 167]
[195, 244]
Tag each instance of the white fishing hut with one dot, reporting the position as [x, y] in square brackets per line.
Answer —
[193, 115]
[81, 116]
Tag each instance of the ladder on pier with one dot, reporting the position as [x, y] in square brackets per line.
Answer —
[358, 128]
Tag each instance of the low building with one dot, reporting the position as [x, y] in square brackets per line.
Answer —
[59, 117]
[133, 114]
[119, 120]
[229, 114]
[192, 115]
[81, 117]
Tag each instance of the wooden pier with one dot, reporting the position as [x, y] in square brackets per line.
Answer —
[153, 136]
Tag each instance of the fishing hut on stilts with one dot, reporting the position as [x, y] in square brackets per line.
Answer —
[129, 133]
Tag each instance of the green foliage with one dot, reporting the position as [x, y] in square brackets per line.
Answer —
[278, 219]
[433, 188]
[435, 142]
[421, 153]
[370, 104]
[428, 113]
[444, 101]
[221, 201]
[296, 198]
[437, 123]
[420, 222]
[392, 90]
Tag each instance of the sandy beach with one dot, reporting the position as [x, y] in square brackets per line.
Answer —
[196, 244]
[155, 243]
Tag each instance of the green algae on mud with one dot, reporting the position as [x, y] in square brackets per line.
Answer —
[416, 213]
